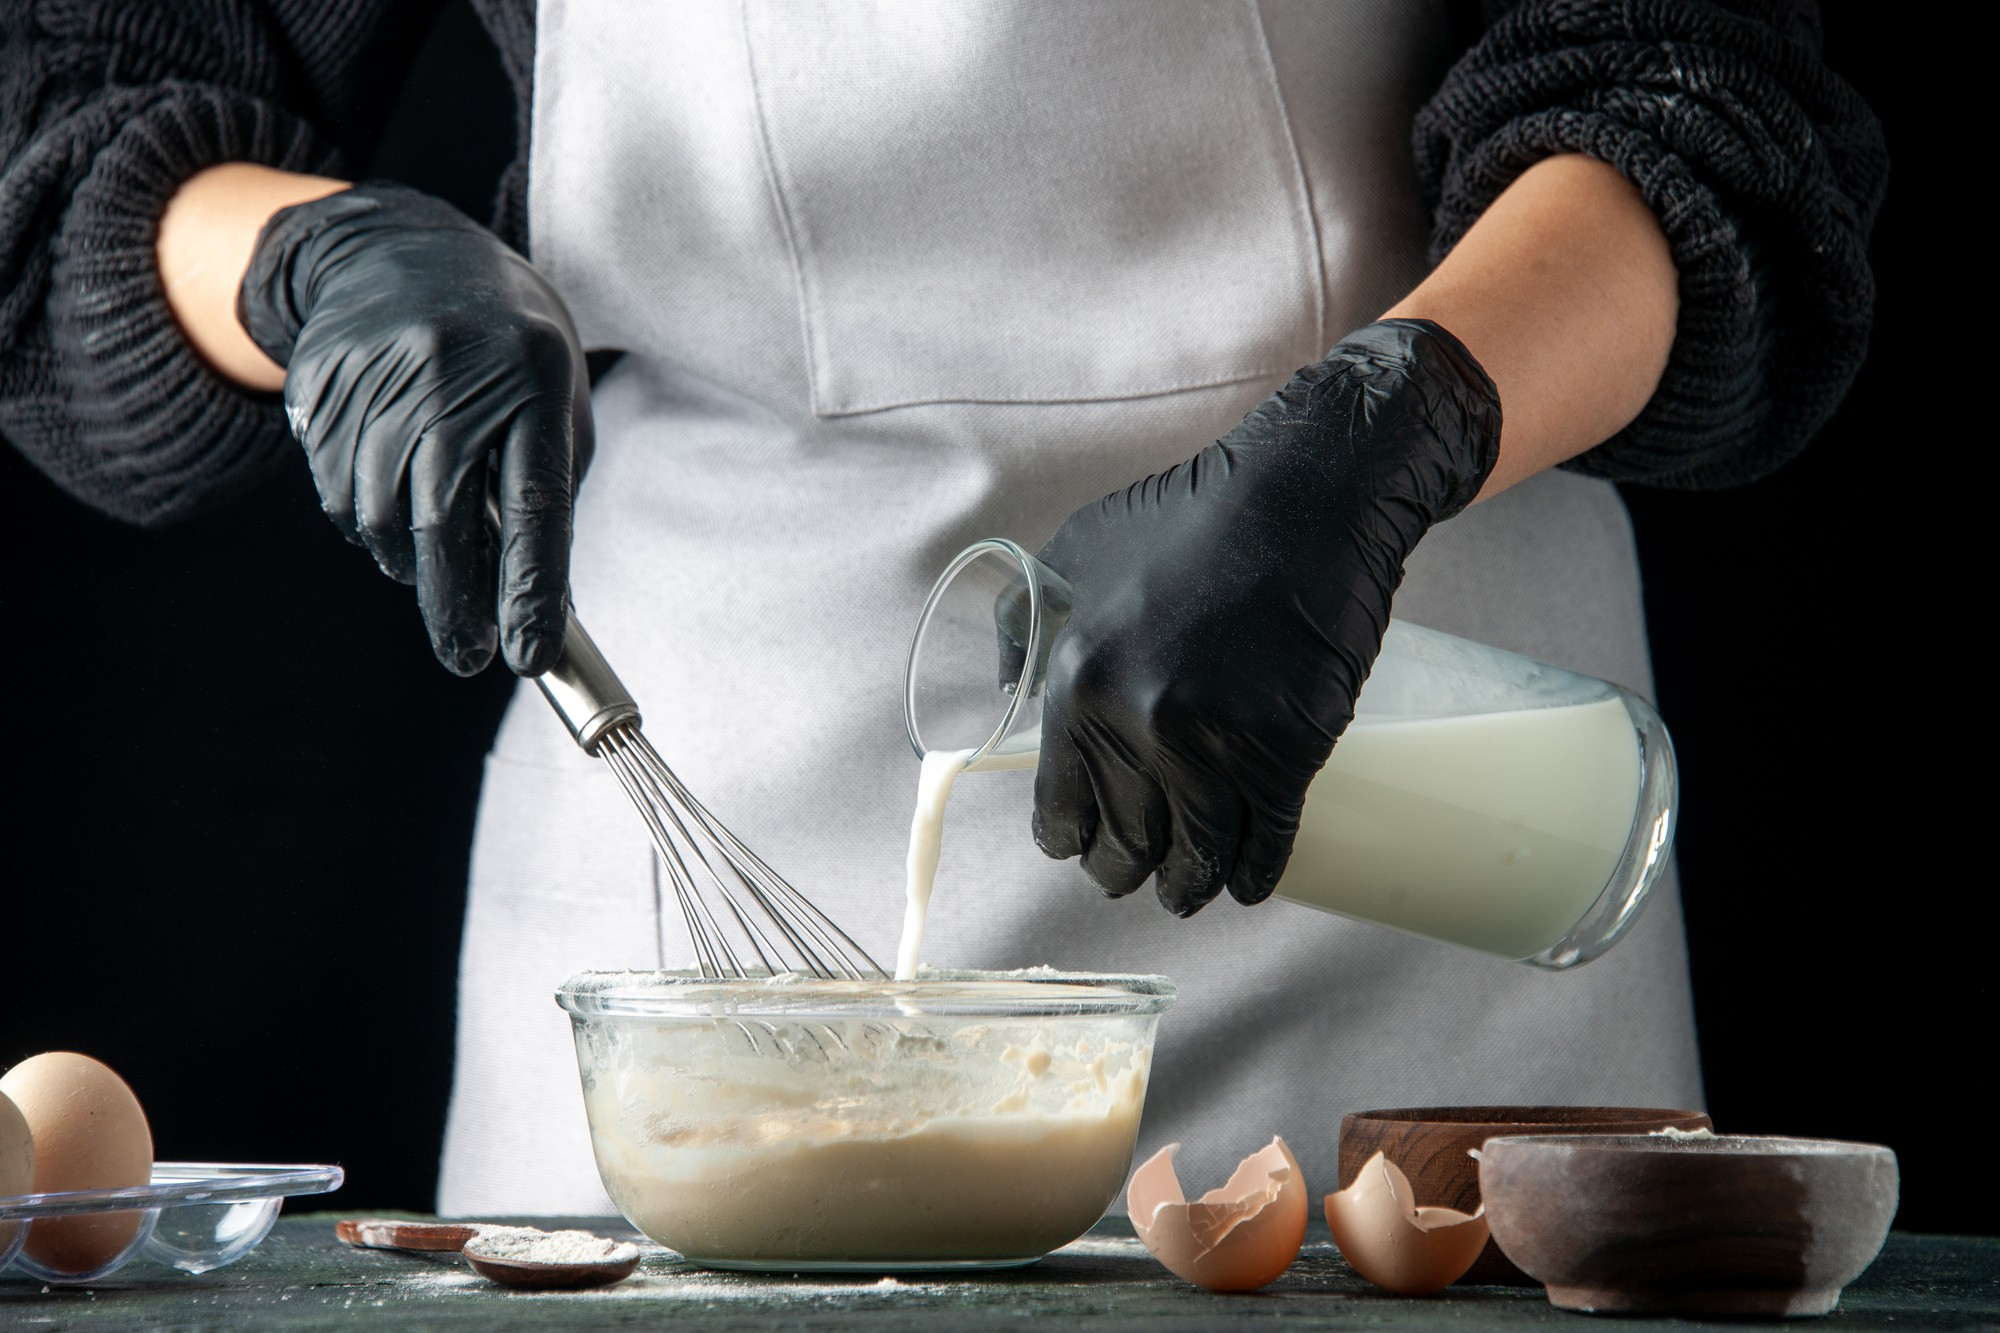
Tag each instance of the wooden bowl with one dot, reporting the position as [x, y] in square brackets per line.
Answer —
[1432, 1146]
[1730, 1226]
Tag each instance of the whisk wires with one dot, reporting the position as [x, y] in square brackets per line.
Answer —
[777, 928]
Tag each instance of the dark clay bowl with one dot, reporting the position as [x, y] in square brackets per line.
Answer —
[1432, 1146]
[1727, 1227]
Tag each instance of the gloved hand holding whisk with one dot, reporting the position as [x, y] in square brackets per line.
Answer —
[426, 364]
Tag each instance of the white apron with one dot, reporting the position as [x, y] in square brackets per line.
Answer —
[892, 277]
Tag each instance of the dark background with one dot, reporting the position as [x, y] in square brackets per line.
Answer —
[242, 792]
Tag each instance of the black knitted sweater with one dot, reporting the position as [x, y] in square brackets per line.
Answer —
[1765, 168]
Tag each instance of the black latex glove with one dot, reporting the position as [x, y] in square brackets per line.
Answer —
[1228, 610]
[426, 365]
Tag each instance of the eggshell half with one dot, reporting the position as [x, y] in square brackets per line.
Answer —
[1235, 1238]
[17, 1161]
[1395, 1243]
[89, 1134]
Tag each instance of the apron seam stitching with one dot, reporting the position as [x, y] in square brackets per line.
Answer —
[787, 223]
[1302, 196]
[1124, 395]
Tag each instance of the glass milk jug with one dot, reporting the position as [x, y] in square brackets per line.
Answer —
[1478, 797]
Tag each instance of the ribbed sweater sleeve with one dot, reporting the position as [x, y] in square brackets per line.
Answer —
[106, 106]
[1764, 167]
[511, 25]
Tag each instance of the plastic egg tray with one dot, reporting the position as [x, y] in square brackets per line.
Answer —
[197, 1215]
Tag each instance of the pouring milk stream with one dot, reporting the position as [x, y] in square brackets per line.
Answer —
[1478, 797]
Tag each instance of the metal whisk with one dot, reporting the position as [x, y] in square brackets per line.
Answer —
[777, 929]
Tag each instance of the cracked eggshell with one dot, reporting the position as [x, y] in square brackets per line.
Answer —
[1235, 1238]
[1393, 1242]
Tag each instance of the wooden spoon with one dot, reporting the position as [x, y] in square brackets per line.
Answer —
[389, 1233]
[553, 1277]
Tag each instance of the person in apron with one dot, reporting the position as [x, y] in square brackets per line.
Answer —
[889, 279]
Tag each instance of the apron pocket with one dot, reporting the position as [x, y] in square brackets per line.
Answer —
[1034, 200]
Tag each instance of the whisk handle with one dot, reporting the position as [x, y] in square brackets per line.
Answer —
[583, 689]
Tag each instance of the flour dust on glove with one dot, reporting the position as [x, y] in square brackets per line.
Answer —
[426, 365]
[1228, 610]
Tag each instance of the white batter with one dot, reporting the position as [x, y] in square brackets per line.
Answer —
[913, 1140]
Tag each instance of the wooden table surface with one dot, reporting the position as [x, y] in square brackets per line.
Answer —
[302, 1278]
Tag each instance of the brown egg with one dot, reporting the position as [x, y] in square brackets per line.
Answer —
[1398, 1245]
[89, 1133]
[17, 1161]
[1235, 1238]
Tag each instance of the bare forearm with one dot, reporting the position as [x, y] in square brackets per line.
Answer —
[206, 235]
[1565, 290]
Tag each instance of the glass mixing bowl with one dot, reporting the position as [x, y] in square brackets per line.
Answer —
[962, 1120]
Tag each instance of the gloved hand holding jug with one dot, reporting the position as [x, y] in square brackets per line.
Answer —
[1228, 610]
